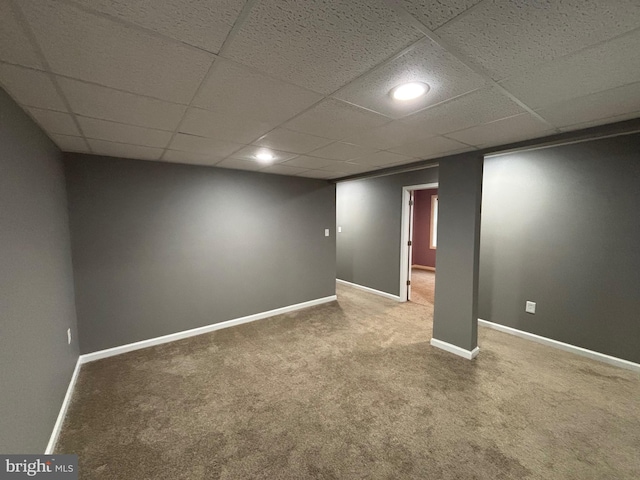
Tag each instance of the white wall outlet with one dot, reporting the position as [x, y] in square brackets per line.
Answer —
[326, 232]
[339, 229]
[69, 336]
[530, 307]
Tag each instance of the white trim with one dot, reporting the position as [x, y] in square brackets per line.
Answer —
[110, 352]
[461, 352]
[404, 235]
[601, 357]
[63, 410]
[370, 290]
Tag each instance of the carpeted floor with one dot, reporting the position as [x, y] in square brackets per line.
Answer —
[423, 284]
[352, 389]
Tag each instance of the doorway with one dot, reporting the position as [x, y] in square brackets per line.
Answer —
[419, 243]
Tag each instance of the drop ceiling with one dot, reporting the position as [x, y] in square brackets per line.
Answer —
[213, 82]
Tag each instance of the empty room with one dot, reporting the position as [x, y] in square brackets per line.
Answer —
[320, 239]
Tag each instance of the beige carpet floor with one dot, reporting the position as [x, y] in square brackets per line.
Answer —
[352, 389]
[423, 284]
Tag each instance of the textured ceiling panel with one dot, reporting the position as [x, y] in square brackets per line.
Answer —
[118, 132]
[610, 103]
[510, 36]
[380, 159]
[108, 104]
[67, 143]
[290, 141]
[336, 120]
[435, 13]
[190, 143]
[478, 107]
[250, 152]
[602, 121]
[115, 55]
[239, 164]
[323, 44]
[190, 158]
[111, 149]
[431, 147]
[305, 161]
[204, 24]
[322, 174]
[15, 46]
[427, 62]
[233, 128]
[346, 168]
[390, 135]
[283, 170]
[507, 130]
[605, 66]
[31, 87]
[237, 91]
[55, 122]
[343, 151]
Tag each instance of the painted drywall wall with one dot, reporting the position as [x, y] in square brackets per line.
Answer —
[560, 227]
[161, 248]
[422, 253]
[456, 293]
[369, 212]
[36, 284]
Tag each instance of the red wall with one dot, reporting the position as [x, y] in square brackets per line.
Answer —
[422, 254]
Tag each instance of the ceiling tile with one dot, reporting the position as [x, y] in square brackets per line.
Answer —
[601, 121]
[123, 150]
[431, 147]
[15, 46]
[118, 132]
[510, 36]
[334, 119]
[602, 67]
[68, 143]
[190, 158]
[234, 128]
[237, 164]
[427, 62]
[434, 14]
[305, 161]
[389, 135]
[346, 168]
[55, 122]
[283, 170]
[320, 45]
[502, 132]
[322, 174]
[379, 159]
[191, 143]
[290, 141]
[203, 24]
[475, 108]
[249, 153]
[31, 87]
[235, 90]
[343, 151]
[108, 104]
[610, 103]
[113, 54]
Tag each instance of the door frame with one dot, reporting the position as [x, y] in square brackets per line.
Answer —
[405, 234]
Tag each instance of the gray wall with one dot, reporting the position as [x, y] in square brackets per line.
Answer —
[561, 227]
[456, 293]
[370, 213]
[160, 248]
[36, 284]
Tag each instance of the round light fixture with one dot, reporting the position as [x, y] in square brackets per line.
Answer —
[409, 91]
[264, 157]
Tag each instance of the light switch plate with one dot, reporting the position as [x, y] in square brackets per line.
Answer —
[326, 232]
[530, 307]
[339, 229]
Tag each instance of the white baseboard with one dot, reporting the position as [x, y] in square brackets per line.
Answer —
[110, 352]
[461, 352]
[370, 290]
[63, 410]
[601, 357]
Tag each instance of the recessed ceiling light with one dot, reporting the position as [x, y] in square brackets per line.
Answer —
[409, 91]
[264, 157]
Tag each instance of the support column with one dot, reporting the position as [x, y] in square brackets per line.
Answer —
[455, 319]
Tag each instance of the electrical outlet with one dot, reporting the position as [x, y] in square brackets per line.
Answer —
[69, 336]
[326, 232]
[530, 307]
[339, 229]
